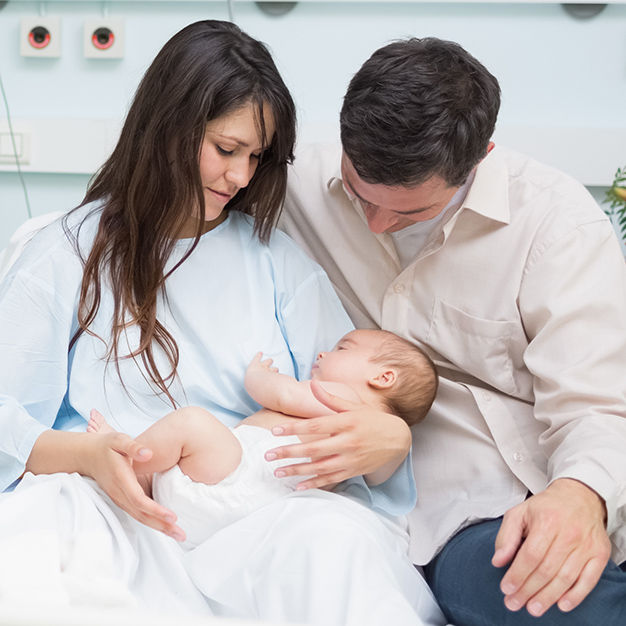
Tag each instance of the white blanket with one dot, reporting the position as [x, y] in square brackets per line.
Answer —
[313, 557]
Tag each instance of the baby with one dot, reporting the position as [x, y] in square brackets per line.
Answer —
[211, 475]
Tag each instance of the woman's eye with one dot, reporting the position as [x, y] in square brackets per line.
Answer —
[223, 152]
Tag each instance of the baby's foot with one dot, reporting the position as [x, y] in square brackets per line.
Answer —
[97, 423]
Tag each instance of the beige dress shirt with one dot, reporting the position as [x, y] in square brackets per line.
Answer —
[519, 297]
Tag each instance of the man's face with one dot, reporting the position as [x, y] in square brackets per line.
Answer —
[390, 209]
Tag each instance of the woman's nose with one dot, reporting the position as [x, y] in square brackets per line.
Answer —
[239, 173]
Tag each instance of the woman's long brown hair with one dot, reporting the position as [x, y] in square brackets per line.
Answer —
[148, 189]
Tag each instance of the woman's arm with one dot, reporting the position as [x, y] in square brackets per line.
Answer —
[37, 321]
[108, 459]
[362, 441]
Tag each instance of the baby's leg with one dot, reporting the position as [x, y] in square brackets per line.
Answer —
[204, 449]
[97, 424]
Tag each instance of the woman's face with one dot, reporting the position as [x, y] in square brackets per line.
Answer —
[229, 157]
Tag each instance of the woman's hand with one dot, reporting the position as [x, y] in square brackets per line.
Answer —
[360, 441]
[111, 466]
[108, 459]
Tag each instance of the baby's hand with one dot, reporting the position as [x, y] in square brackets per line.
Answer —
[257, 363]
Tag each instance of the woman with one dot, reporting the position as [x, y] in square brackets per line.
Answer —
[155, 293]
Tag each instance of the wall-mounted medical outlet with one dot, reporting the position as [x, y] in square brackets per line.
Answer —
[104, 39]
[14, 146]
[40, 37]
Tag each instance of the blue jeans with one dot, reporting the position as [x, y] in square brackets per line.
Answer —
[467, 587]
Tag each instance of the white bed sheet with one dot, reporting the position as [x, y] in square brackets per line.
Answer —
[313, 557]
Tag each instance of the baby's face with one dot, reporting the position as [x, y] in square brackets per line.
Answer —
[349, 361]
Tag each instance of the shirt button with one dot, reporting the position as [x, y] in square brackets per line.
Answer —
[487, 397]
[519, 457]
[398, 288]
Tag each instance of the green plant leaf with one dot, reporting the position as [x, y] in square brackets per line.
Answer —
[617, 203]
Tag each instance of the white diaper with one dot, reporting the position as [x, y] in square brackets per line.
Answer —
[202, 509]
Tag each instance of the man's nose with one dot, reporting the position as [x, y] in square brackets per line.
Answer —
[379, 220]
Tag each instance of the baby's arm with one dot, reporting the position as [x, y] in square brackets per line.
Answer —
[285, 394]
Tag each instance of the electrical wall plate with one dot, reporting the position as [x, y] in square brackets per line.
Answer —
[14, 146]
[40, 37]
[103, 38]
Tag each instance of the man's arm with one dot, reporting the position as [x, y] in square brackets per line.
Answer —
[574, 310]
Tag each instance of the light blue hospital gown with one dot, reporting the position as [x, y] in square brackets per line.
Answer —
[233, 297]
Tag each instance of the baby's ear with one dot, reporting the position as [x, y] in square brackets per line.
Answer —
[384, 380]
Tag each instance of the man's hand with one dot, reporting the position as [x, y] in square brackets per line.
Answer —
[361, 441]
[558, 543]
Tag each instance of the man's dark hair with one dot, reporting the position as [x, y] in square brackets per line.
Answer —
[418, 108]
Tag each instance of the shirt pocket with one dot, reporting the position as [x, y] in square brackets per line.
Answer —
[473, 345]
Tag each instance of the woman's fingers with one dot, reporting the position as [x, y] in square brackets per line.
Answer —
[150, 513]
[113, 471]
[333, 402]
[325, 425]
[127, 447]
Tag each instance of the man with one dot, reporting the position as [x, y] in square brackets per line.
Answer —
[510, 277]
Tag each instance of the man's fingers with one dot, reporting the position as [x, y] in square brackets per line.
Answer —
[545, 587]
[533, 560]
[509, 538]
[587, 580]
[553, 574]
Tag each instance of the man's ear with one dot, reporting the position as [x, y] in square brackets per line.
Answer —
[384, 380]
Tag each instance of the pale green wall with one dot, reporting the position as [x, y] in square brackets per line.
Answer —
[555, 71]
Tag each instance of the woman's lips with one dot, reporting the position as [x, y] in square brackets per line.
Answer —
[221, 196]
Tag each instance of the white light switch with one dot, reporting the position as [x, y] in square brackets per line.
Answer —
[8, 150]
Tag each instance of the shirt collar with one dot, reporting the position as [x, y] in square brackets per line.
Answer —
[489, 193]
[336, 176]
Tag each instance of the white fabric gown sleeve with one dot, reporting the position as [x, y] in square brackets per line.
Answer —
[36, 324]
[312, 319]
